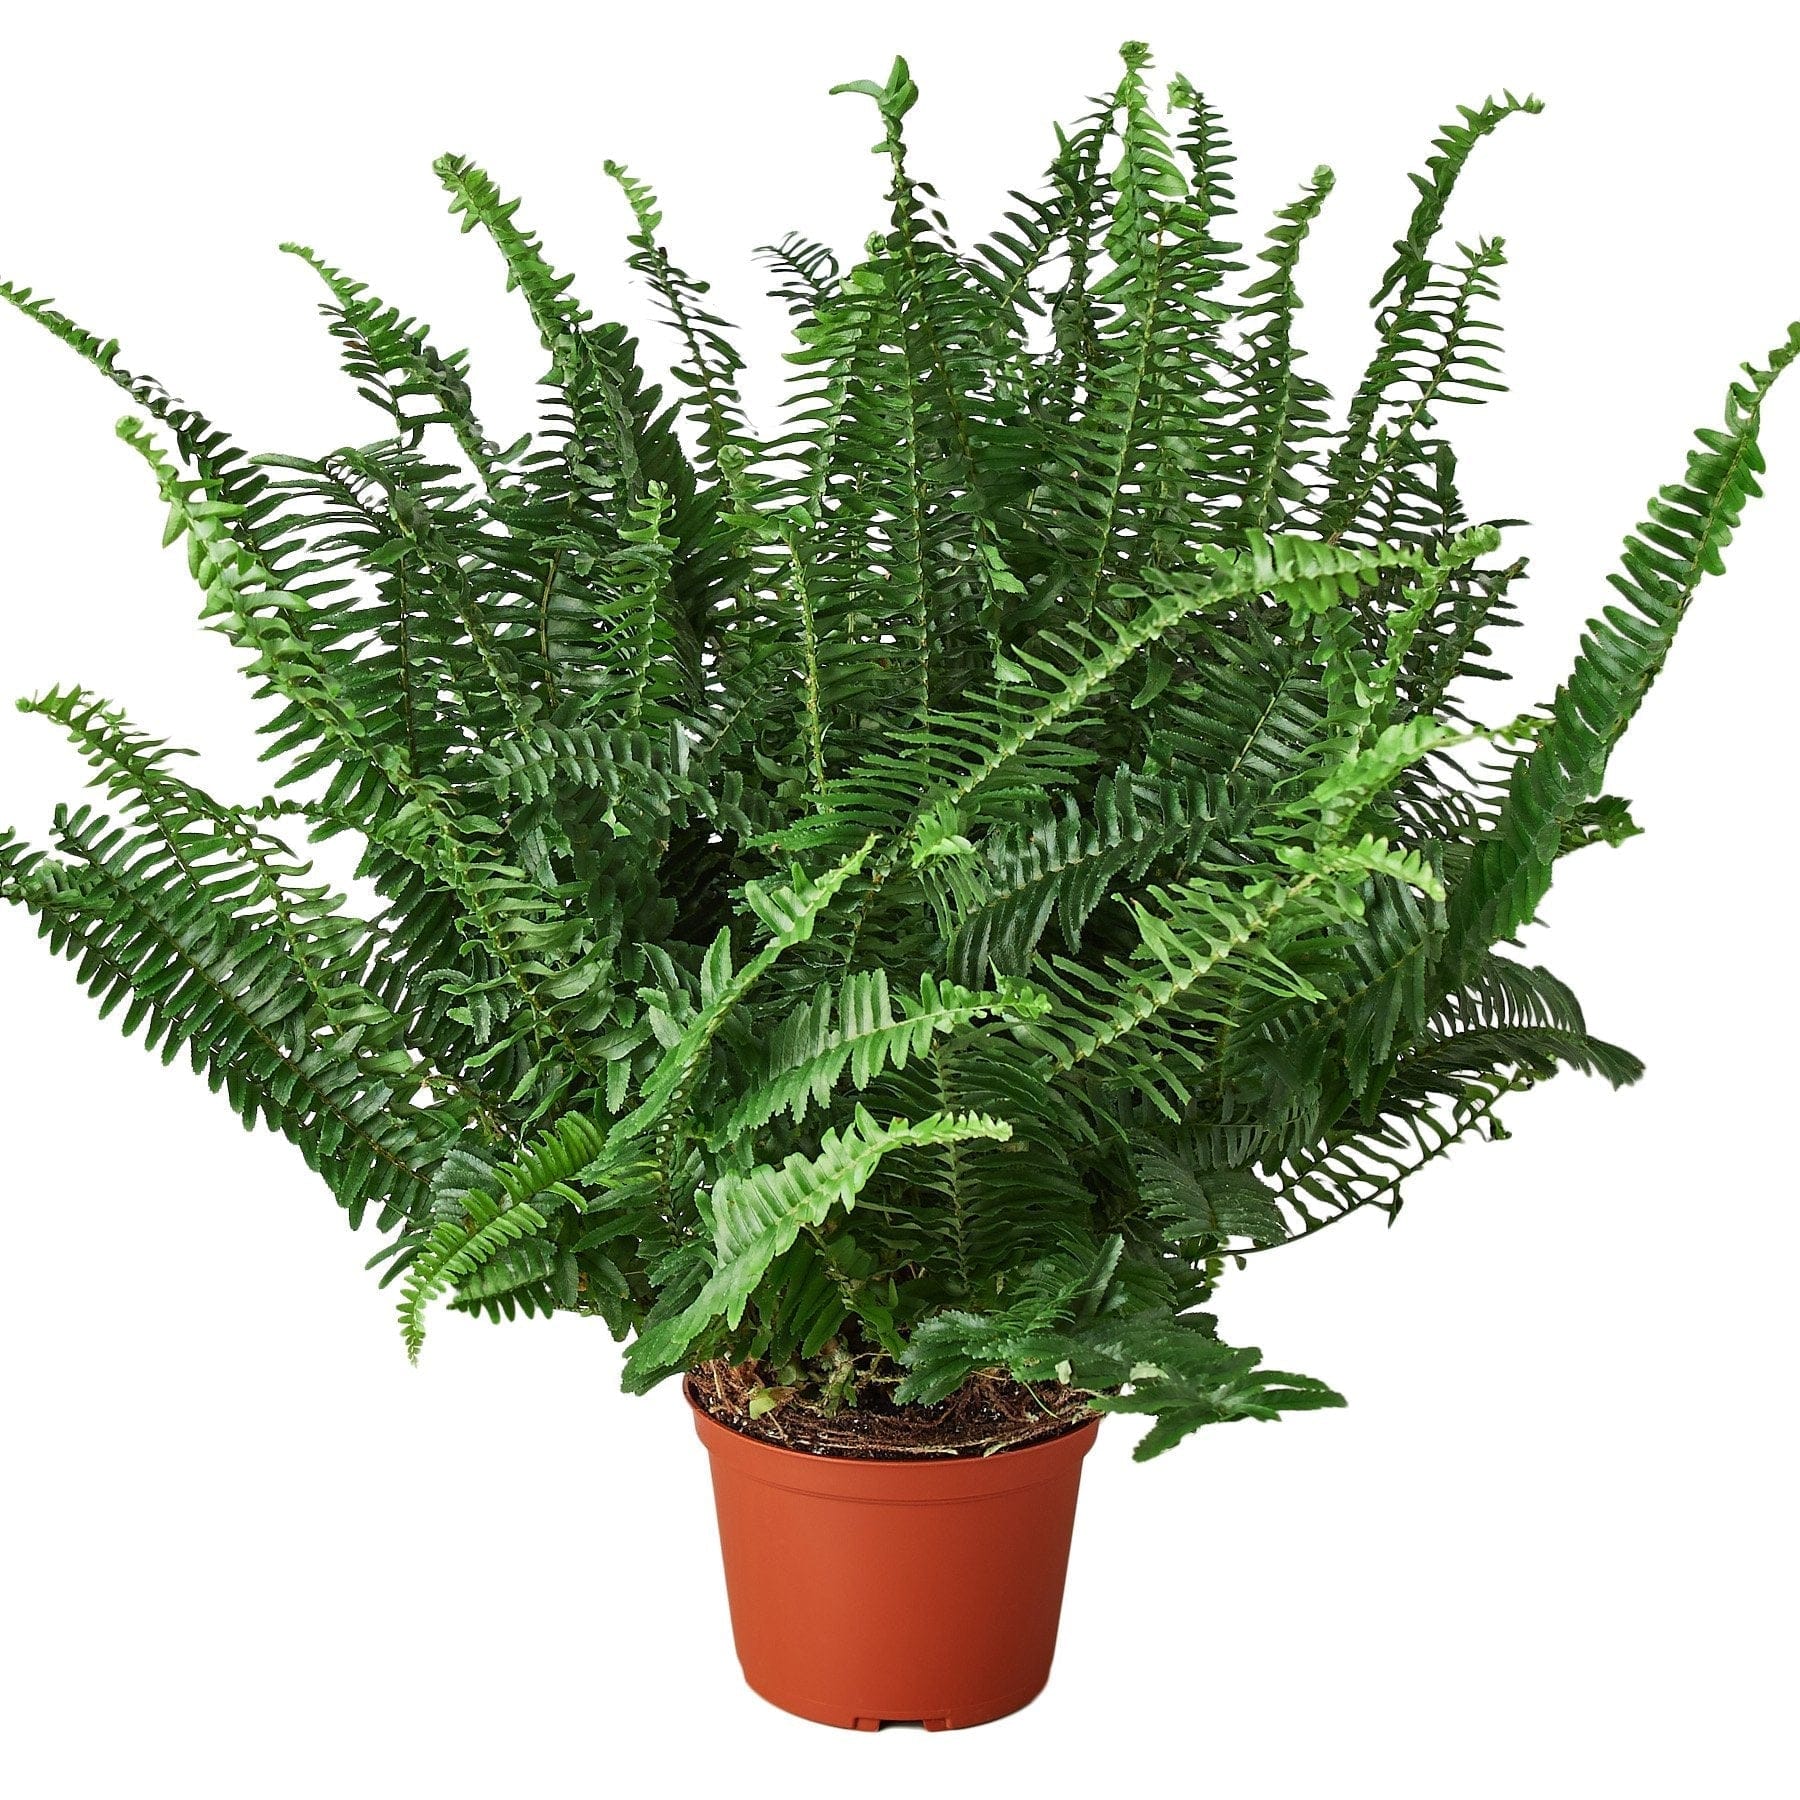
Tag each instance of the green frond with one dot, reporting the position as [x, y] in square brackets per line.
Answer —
[1284, 410]
[960, 470]
[756, 1217]
[1370, 1167]
[1153, 367]
[1062, 865]
[393, 362]
[857, 1030]
[614, 434]
[458, 1248]
[807, 270]
[147, 917]
[1211, 1205]
[1433, 352]
[1535, 1050]
[1179, 1371]
[1429, 349]
[710, 365]
[1136, 1022]
[1453, 145]
[256, 873]
[922, 799]
[1062, 1328]
[229, 475]
[472, 1225]
[1050, 1299]
[1680, 543]
[789, 914]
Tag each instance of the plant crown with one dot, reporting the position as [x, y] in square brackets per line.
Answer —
[919, 892]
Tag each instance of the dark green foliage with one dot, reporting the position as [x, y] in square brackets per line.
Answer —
[917, 891]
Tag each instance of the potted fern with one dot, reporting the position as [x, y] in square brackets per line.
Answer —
[886, 913]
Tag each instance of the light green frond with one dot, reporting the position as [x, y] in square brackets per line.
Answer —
[857, 1030]
[758, 1215]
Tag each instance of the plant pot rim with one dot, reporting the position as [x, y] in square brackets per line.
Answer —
[1052, 1447]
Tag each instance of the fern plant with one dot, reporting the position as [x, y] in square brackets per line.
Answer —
[918, 892]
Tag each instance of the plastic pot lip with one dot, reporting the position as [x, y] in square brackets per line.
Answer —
[903, 1480]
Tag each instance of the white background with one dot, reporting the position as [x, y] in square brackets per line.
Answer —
[1546, 1550]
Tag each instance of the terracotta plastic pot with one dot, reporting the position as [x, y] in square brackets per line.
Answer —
[869, 1593]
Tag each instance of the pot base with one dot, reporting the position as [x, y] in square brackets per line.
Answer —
[976, 1712]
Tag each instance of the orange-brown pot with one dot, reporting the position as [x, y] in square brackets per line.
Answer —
[870, 1593]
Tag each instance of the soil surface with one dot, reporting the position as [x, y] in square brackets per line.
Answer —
[989, 1412]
